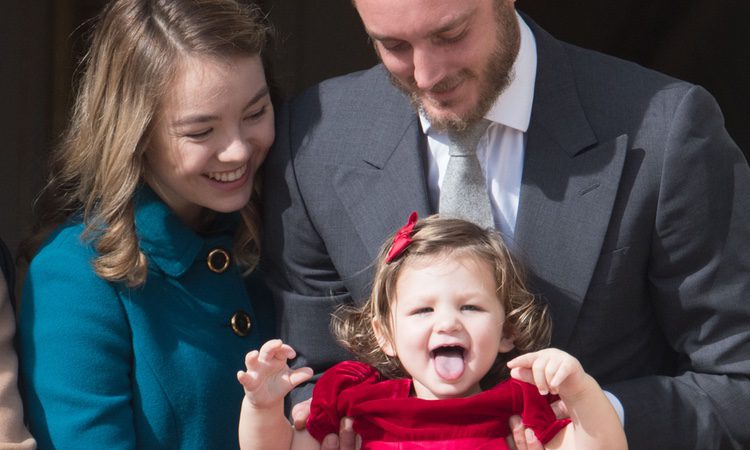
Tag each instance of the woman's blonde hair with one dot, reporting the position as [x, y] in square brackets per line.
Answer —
[526, 320]
[134, 52]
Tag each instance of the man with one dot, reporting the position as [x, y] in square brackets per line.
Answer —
[618, 186]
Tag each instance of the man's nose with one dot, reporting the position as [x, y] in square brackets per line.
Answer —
[428, 68]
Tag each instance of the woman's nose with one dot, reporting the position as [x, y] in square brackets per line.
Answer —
[237, 149]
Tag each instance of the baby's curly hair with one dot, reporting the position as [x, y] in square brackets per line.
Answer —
[526, 319]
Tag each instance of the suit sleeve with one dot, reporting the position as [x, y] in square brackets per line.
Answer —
[75, 354]
[304, 281]
[699, 275]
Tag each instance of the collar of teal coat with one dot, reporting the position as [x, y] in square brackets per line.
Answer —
[168, 242]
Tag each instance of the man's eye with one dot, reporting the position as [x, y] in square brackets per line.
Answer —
[394, 46]
[452, 36]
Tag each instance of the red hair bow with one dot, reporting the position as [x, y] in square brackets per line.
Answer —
[402, 239]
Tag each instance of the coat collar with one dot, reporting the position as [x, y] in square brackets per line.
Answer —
[166, 240]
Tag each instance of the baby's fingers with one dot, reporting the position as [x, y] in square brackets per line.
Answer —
[525, 360]
[298, 376]
[533, 368]
[246, 380]
[275, 349]
[539, 369]
[522, 374]
[565, 369]
[251, 360]
[551, 369]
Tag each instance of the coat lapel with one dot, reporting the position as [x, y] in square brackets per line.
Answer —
[568, 189]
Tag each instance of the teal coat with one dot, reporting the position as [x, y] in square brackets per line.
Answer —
[107, 366]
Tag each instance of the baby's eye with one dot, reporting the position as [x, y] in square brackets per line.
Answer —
[421, 311]
[471, 308]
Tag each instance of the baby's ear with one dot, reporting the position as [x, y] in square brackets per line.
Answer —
[382, 337]
[507, 341]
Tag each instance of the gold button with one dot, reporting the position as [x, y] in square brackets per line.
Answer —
[218, 260]
[241, 323]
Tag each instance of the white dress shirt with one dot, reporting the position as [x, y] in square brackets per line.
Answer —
[501, 149]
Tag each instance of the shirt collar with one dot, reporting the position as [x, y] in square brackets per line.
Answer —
[513, 106]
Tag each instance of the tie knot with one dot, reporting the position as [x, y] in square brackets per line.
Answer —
[465, 142]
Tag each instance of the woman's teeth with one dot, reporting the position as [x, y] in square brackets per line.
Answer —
[227, 177]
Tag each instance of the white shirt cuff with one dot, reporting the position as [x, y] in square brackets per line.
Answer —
[617, 405]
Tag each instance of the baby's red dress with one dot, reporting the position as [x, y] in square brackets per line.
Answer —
[387, 418]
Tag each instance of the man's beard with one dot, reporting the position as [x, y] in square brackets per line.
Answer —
[495, 77]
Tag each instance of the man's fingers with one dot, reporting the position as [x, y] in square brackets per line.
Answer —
[347, 438]
[517, 437]
[300, 412]
[532, 442]
[561, 411]
[330, 442]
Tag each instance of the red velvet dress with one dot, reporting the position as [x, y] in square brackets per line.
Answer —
[388, 418]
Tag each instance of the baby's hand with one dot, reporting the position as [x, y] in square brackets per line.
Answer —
[268, 377]
[551, 370]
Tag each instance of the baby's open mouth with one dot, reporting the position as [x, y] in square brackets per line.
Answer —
[449, 362]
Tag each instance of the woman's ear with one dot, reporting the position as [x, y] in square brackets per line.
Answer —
[383, 338]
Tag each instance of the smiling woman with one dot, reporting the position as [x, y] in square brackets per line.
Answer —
[212, 132]
[145, 230]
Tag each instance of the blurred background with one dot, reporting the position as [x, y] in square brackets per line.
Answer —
[702, 41]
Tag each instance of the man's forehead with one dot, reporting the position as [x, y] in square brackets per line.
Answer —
[385, 19]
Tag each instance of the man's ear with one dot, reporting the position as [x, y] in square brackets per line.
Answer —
[382, 337]
[507, 342]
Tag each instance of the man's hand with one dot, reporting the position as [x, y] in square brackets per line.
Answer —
[345, 440]
[522, 438]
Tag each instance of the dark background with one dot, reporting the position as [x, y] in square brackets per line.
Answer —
[703, 41]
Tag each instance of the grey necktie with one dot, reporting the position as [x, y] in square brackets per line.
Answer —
[463, 193]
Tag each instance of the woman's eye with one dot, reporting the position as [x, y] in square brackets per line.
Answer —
[199, 134]
[257, 114]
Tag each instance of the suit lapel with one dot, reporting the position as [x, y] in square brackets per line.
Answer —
[568, 189]
[388, 182]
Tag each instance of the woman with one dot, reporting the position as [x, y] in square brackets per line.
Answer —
[135, 313]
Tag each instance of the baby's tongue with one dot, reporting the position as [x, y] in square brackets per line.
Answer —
[449, 363]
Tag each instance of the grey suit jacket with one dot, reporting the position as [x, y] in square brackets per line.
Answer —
[634, 223]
